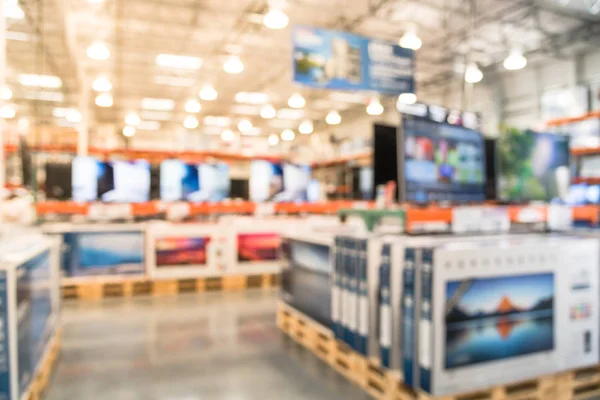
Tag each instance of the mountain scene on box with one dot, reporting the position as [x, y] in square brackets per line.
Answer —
[496, 318]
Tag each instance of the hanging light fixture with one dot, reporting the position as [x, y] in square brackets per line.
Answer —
[288, 135]
[129, 131]
[74, 116]
[102, 84]
[104, 100]
[306, 127]
[233, 65]
[227, 135]
[190, 122]
[6, 93]
[515, 60]
[208, 93]
[333, 118]
[98, 51]
[472, 73]
[275, 18]
[296, 101]
[132, 119]
[8, 111]
[192, 106]
[268, 112]
[273, 140]
[374, 107]
[410, 40]
[407, 98]
[244, 125]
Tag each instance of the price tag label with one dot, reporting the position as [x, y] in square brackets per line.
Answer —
[560, 217]
[494, 220]
[107, 212]
[466, 219]
[264, 209]
[178, 211]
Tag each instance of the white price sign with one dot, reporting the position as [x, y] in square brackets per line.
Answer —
[560, 217]
[466, 219]
[264, 209]
[178, 211]
[108, 212]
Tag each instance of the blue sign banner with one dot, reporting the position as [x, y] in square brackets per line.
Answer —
[343, 61]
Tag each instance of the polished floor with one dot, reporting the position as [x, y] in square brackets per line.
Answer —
[200, 346]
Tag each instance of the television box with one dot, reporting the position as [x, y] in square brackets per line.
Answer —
[494, 312]
[183, 250]
[30, 298]
[101, 249]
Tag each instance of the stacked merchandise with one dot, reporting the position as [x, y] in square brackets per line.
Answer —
[456, 314]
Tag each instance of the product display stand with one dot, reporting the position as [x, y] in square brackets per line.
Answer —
[372, 217]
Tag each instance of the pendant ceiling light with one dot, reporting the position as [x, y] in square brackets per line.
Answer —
[132, 119]
[275, 18]
[472, 73]
[233, 65]
[306, 127]
[288, 135]
[98, 51]
[268, 112]
[102, 84]
[104, 100]
[515, 60]
[129, 131]
[296, 101]
[333, 118]
[6, 93]
[192, 106]
[74, 116]
[227, 135]
[410, 40]
[190, 122]
[208, 93]
[407, 98]
[273, 140]
[374, 107]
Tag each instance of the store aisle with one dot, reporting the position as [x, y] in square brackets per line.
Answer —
[200, 346]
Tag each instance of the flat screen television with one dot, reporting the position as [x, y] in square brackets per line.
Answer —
[86, 173]
[266, 181]
[58, 181]
[296, 178]
[442, 162]
[532, 166]
[215, 184]
[130, 181]
[385, 157]
[178, 180]
[240, 189]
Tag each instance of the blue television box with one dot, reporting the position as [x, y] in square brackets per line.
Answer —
[491, 312]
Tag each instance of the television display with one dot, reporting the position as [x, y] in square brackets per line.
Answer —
[532, 166]
[266, 181]
[178, 251]
[311, 256]
[497, 318]
[214, 183]
[296, 178]
[385, 157]
[442, 162]
[178, 180]
[253, 247]
[85, 178]
[58, 181]
[130, 181]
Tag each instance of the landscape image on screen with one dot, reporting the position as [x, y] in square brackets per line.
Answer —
[258, 247]
[497, 318]
[177, 251]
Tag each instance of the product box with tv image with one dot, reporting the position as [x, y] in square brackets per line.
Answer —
[29, 312]
[495, 312]
[103, 250]
[183, 250]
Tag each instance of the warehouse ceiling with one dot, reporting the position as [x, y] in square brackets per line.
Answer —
[52, 37]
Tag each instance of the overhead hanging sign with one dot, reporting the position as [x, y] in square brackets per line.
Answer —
[343, 61]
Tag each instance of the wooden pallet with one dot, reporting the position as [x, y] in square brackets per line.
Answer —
[97, 289]
[42, 378]
[382, 384]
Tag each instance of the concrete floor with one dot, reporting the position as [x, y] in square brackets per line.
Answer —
[200, 346]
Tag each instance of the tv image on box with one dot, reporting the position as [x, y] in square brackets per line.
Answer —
[442, 162]
[532, 166]
[491, 319]
[178, 251]
[254, 247]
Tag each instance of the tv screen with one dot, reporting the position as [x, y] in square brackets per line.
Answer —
[179, 251]
[86, 172]
[385, 157]
[532, 166]
[58, 181]
[266, 181]
[130, 181]
[496, 318]
[214, 183]
[296, 178]
[253, 247]
[442, 162]
[178, 180]
[240, 189]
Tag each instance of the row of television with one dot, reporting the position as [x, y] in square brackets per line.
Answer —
[89, 179]
[440, 162]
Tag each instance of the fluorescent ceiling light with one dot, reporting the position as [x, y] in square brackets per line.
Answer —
[132, 119]
[407, 98]
[158, 104]
[252, 97]
[192, 106]
[273, 140]
[19, 36]
[148, 125]
[129, 131]
[180, 62]
[74, 116]
[287, 135]
[102, 84]
[515, 60]
[288, 113]
[98, 51]
[8, 111]
[306, 127]
[217, 121]
[333, 118]
[104, 100]
[268, 112]
[190, 122]
[275, 18]
[60, 112]
[244, 125]
[227, 135]
[355, 98]
[174, 81]
[12, 10]
[233, 65]
[473, 74]
[208, 93]
[374, 107]
[155, 115]
[245, 110]
[45, 81]
[410, 40]
[45, 96]
[6, 93]
[296, 101]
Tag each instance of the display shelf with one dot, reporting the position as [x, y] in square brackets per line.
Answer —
[382, 384]
[372, 217]
[44, 373]
[585, 151]
[570, 120]
[589, 181]
[99, 288]
[365, 155]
